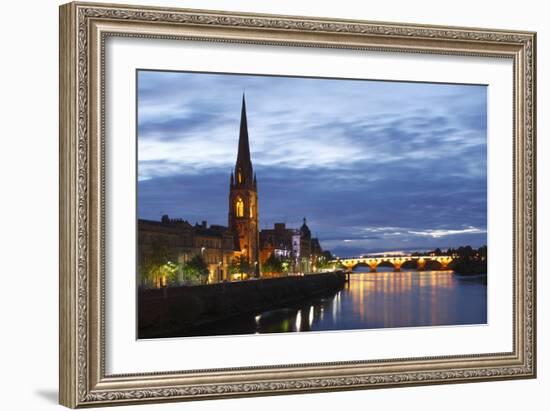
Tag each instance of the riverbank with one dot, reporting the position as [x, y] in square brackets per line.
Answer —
[172, 312]
[466, 267]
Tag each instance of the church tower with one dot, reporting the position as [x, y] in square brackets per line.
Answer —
[243, 201]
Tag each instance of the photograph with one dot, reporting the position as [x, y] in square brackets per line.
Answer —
[283, 204]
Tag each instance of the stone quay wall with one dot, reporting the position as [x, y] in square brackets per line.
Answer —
[171, 311]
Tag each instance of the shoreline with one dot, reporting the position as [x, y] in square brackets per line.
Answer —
[173, 312]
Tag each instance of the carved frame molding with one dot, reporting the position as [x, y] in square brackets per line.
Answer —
[84, 27]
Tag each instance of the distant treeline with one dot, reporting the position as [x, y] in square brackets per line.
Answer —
[466, 260]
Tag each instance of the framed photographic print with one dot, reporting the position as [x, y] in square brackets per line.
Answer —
[258, 204]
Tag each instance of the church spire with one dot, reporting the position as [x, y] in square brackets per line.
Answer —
[243, 167]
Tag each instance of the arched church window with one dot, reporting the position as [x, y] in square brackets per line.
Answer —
[239, 177]
[239, 207]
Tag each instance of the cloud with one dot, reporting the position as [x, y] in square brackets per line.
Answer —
[438, 233]
[381, 122]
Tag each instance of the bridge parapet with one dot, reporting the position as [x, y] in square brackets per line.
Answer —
[395, 261]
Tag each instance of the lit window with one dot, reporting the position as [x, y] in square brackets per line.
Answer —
[239, 207]
[239, 177]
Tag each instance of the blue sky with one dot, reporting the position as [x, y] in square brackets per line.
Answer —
[372, 165]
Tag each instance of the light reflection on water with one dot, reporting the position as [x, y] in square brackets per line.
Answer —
[375, 300]
[405, 299]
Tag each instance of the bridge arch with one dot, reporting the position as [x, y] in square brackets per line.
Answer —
[433, 265]
[359, 264]
[410, 265]
[389, 264]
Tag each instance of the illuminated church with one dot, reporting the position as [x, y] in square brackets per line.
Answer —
[243, 201]
[250, 243]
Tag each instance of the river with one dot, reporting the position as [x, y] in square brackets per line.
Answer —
[374, 300]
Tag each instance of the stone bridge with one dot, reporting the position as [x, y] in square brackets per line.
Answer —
[395, 261]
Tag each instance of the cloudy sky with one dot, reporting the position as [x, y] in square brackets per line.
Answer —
[372, 165]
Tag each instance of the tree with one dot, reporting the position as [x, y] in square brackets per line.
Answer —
[196, 269]
[239, 265]
[286, 265]
[157, 270]
[273, 264]
[323, 262]
[160, 275]
[469, 261]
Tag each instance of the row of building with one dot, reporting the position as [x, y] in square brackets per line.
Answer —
[179, 241]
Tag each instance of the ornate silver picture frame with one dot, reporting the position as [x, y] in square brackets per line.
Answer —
[84, 30]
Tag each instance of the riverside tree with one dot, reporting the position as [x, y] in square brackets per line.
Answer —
[273, 264]
[239, 265]
[196, 270]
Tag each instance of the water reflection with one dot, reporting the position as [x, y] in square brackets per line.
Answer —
[298, 325]
[374, 300]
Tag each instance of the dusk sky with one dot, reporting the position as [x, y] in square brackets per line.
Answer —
[372, 165]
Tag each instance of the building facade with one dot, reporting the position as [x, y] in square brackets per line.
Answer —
[178, 241]
[277, 241]
[294, 245]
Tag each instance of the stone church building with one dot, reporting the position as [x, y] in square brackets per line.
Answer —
[243, 201]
